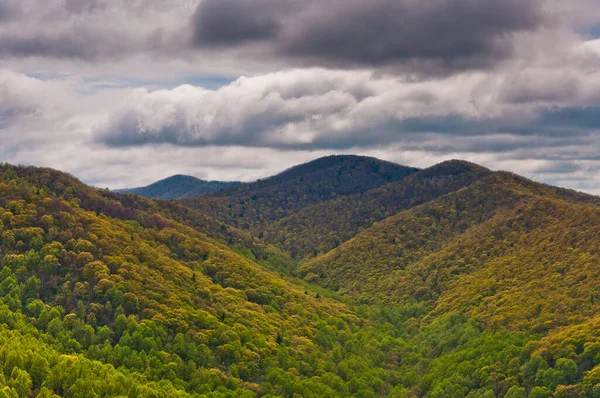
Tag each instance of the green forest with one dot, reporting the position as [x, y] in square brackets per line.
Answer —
[343, 277]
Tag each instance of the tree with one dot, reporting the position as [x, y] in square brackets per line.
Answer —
[516, 392]
[50, 264]
[540, 392]
[569, 369]
[40, 368]
[21, 382]
[31, 290]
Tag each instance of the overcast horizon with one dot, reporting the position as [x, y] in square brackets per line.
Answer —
[124, 93]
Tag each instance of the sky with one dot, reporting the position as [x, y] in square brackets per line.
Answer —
[121, 93]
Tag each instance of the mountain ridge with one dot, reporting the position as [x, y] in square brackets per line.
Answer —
[325, 225]
[178, 186]
[256, 204]
[452, 281]
[319, 166]
[159, 301]
[491, 197]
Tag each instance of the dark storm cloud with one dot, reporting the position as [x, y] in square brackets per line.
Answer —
[46, 45]
[432, 36]
[437, 134]
[231, 22]
[454, 133]
[586, 118]
[90, 30]
[454, 33]
[8, 11]
[127, 132]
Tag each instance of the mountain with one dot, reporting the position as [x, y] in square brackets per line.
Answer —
[252, 205]
[321, 227]
[420, 252]
[99, 297]
[506, 253]
[179, 186]
[462, 246]
[451, 281]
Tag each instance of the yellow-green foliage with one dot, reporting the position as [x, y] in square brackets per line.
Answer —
[30, 365]
[321, 227]
[254, 205]
[470, 249]
[489, 290]
[505, 253]
[160, 299]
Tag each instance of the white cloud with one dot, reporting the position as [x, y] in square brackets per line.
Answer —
[325, 109]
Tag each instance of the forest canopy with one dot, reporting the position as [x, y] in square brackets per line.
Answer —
[445, 282]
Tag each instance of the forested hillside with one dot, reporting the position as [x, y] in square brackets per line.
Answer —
[451, 281]
[514, 256]
[417, 253]
[253, 205]
[319, 228]
[179, 186]
[160, 302]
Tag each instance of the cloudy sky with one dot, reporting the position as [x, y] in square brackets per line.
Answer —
[121, 93]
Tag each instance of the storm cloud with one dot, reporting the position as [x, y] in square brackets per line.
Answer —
[426, 37]
[8, 11]
[342, 33]
[88, 30]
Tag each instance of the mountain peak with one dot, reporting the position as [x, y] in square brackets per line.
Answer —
[463, 164]
[258, 203]
[454, 166]
[183, 177]
[340, 164]
[179, 186]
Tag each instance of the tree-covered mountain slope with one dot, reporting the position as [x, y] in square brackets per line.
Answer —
[468, 249]
[249, 206]
[137, 207]
[163, 302]
[490, 290]
[150, 212]
[536, 268]
[179, 186]
[503, 257]
[321, 227]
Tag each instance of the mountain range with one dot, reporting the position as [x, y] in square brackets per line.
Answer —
[178, 186]
[345, 276]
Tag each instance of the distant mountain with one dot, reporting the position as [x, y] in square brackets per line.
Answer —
[179, 186]
[256, 204]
